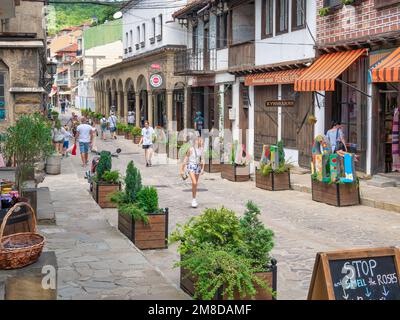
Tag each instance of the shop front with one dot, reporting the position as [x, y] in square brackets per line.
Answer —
[280, 114]
[341, 79]
[385, 76]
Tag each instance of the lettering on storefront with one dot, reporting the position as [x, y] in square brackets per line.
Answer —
[365, 274]
[279, 103]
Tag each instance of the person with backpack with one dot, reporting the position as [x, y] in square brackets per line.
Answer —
[112, 121]
[103, 126]
[193, 166]
[335, 137]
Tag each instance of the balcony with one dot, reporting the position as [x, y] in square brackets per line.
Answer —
[200, 61]
[242, 55]
[62, 82]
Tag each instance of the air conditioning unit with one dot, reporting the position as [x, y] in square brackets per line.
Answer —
[232, 114]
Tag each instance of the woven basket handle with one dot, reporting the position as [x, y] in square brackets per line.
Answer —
[11, 211]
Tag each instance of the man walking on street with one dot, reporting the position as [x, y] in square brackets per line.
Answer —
[84, 136]
[147, 142]
[199, 122]
[62, 104]
[112, 120]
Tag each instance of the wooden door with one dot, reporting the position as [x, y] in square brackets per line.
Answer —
[206, 53]
[305, 131]
[265, 119]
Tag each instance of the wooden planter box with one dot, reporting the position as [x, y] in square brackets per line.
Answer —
[136, 139]
[274, 181]
[102, 193]
[336, 194]
[187, 283]
[212, 166]
[128, 135]
[235, 173]
[151, 236]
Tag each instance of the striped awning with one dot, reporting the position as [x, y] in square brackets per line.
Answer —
[274, 77]
[389, 69]
[322, 74]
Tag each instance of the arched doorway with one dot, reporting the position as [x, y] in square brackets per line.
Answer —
[143, 99]
[120, 99]
[179, 105]
[109, 99]
[130, 91]
[114, 96]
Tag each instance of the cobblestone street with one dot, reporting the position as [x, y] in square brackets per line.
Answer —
[95, 260]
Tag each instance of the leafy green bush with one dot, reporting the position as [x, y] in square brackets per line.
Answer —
[218, 267]
[28, 141]
[223, 251]
[120, 126]
[133, 210]
[136, 132]
[133, 182]
[105, 164]
[147, 200]
[111, 177]
[127, 129]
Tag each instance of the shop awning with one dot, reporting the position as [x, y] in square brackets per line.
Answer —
[274, 77]
[321, 76]
[389, 69]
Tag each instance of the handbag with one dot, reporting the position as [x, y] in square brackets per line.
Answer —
[74, 150]
[339, 144]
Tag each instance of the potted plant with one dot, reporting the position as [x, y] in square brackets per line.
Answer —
[274, 171]
[128, 132]
[324, 11]
[226, 257]
[106, 182]
[137, 134]
[237, 169]
[139, 216]
[120, 129]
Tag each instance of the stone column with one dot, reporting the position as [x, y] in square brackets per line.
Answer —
[125, 106]
[107, 111]
[137, 109]
[171, 125]
[150, 106]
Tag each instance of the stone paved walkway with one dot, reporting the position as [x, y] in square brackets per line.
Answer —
[302, 227]
[95, 260]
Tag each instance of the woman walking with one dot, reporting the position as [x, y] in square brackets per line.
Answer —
[194, 164]
[58, 136]
[103, 126]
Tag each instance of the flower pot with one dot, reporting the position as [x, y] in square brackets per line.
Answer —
[235, 173]
[136, 139]
[273, 181]
[336, 194]
[53, 164]
[128, 135]
[102, 193]
[120, 132]
[188, 281]
[146, 236]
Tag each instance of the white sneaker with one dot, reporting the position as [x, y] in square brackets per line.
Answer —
[194, 203]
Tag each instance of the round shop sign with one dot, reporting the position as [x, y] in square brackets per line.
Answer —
[156, 80]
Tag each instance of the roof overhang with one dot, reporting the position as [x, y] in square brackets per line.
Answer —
[21, 44]
[27, 90]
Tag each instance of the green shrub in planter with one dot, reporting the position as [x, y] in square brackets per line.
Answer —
[120, 126]
[111, 177]
[136, 132]
[324, 12]
[104, 165]
[127, 129]
[225, 252]
[147, 199]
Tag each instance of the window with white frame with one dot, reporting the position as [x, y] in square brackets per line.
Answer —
[267, 18]
[160, 27]
[153, 30]
[298, 14]
[282, 16]
[130, 39]
[142, 43]
[137, 37]
[126, 40]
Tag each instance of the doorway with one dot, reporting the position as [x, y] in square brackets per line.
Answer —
[178, 111]
[144, 115]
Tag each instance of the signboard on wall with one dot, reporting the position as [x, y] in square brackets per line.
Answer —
[364, 274]
[279, 103]
[156, 80]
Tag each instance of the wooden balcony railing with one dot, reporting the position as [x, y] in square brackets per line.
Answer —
[242, 55]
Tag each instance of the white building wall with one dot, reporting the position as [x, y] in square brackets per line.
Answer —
[172, 32]
[294, 45]
[107, 55]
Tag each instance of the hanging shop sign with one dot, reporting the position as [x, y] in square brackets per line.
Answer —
[156, 66]
[279, 103]
[156, 80]
[365, 274]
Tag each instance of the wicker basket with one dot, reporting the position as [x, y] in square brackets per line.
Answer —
[20, 249]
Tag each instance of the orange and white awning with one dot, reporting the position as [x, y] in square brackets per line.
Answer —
[274, 77]
[389, 69]
[321, 76]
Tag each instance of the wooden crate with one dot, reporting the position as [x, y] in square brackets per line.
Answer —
[151, 236]
[274, 181]
[18, 221]
[188, 281]
[336, 194]
[102, 193]
[235, 173]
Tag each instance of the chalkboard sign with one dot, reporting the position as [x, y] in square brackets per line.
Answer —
[365, 274]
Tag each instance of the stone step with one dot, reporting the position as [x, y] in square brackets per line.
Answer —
[381, 182]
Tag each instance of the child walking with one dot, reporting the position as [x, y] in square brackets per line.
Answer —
[67, 135]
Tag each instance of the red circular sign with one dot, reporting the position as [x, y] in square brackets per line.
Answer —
[156, 80]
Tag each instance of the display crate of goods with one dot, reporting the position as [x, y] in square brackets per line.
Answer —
[20, 249]
[152, 235]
